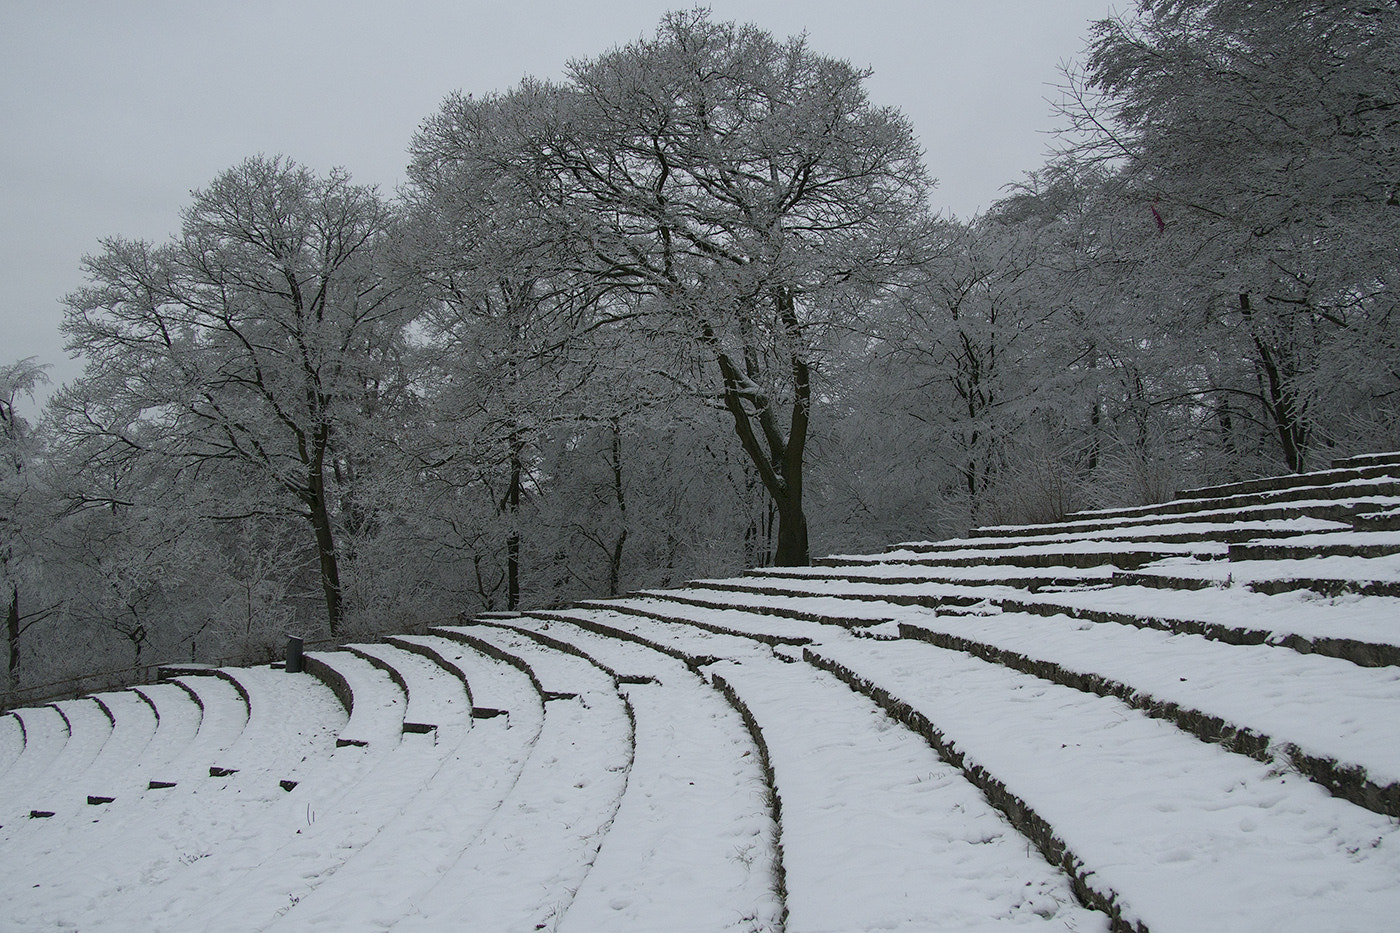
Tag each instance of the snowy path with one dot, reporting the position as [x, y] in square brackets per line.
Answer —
[1188, 836]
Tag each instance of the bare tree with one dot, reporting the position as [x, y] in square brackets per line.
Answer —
[249, 346]
[740, 184]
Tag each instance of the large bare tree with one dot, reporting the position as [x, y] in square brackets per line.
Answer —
[744, 187]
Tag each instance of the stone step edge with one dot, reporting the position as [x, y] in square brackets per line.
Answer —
[1360, 460]
[1325, 477]
[1350, 782]
[1226, 533]
[1019, 813]
[1243, 500]
[1361, 653]
[1263, 551]
[1079, 560]
[1328, 510]
[770, 640]
[429, 653]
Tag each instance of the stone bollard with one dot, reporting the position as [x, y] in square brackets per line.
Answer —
[294, 665]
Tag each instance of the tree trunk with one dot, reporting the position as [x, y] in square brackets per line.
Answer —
[12, 636]
[513, 538]
[615, 558]
[1281, 401]
[325, 549]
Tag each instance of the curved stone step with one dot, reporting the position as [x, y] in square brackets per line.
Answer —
[1077, 555]
[1324, 544]
[1338, 474]
[1157, 532]
[350, 876]
[1380, 487]
[1361, 460]
[525, 867]
[177, 723]
[117, 770]
[374, 702]
[52, 789]
[692, 838]
[45, 736]
[1180, 835]
[1144, 517]
[434, 694]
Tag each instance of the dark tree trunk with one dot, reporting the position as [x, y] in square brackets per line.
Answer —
[615, 558]
[513, 512]
[1280, 400]
[12, 635]
[319, 513]
[780, 465]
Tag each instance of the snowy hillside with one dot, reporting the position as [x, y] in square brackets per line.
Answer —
[1184, 717]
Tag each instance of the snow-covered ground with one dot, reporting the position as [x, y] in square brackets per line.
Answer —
[888, 743]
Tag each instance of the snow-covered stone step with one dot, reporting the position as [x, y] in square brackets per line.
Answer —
[1145, 516]
[1081, 554]
[192, 837]
[1360, 629]
[674, 604]
[819, 608]
[1181, 835]
[867, 805]
[1337, 723]
[669, 626]
[1157, 532]
[522, 871]
[348, 873]
[77, 871]
[352, 794]
[116, 770]
[1027, 578]
[1321, 544]
[1361, 460]
[46, 735]
[1336, 475]
[429, 648]
[376, 703]
[177, 723]
[693, 841]
[435, 694]
[1343, 492]
[223, 714]
[52, 790]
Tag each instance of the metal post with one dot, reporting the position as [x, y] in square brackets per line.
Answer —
[293, 654]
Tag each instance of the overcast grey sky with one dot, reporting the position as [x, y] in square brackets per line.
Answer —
[112, 111]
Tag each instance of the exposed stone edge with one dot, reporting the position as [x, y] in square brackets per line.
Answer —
[1026, 821]
[1347, 781]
